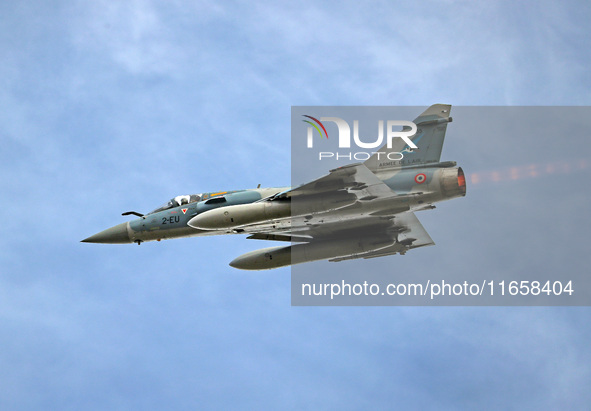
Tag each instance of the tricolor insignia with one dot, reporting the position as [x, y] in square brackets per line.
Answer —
[420, 178]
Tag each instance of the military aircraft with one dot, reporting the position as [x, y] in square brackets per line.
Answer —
[361, 210]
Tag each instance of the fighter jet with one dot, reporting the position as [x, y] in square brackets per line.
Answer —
[361, 210]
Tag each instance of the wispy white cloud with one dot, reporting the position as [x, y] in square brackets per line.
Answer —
[108, 106]
[131, 34]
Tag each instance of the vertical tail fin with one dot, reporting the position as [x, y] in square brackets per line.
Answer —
[431, 127]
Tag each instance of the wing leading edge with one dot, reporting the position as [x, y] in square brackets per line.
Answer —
[353, 177]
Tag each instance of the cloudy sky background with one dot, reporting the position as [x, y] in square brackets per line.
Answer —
[109, 107]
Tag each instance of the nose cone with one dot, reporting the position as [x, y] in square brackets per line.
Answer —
[114, 235]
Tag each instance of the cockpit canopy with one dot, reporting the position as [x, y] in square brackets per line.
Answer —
[178, 201]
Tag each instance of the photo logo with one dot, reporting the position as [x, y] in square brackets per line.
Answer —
[395, 147]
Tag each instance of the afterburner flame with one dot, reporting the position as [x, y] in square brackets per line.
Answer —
[527, 171]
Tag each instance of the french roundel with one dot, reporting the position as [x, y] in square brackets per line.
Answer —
[420, 178]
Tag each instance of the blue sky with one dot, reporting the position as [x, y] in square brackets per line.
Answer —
[109, 107]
